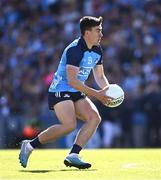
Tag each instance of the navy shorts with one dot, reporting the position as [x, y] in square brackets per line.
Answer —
[56, 97]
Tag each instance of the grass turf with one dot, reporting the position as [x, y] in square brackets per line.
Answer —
[107, 164]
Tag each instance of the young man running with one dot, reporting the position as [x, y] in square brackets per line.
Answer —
[69, 96]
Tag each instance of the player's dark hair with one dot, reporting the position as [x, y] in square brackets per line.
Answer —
[87, 22]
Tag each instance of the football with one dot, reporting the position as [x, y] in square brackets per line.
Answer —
[116, 92]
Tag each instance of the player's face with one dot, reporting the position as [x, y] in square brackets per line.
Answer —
[95, 35]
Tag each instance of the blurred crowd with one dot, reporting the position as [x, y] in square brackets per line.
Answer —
[33, 34]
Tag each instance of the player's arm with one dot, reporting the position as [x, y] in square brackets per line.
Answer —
[72, 74]
[100, 77]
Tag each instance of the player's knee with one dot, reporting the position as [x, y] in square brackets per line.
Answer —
[95, 118]
[98, 119]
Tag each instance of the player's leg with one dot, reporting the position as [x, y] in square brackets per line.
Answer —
[86, 111]
[65, 112]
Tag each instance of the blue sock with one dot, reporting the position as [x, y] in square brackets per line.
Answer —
[35, 143]
[75, 149]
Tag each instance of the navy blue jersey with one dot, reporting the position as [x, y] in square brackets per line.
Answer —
[76, 54]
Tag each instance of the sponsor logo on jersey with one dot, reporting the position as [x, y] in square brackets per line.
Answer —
[84, 71]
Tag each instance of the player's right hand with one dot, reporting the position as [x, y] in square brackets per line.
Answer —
[102, 97]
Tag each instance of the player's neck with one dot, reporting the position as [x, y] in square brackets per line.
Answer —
[89, 45]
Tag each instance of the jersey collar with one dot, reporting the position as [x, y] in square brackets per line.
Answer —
[84, 45]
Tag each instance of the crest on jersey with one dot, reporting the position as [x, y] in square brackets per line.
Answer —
[89, 60]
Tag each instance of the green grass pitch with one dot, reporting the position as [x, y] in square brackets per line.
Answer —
[107, 164]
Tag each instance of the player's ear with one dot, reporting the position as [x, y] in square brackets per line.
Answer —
[87, 32]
